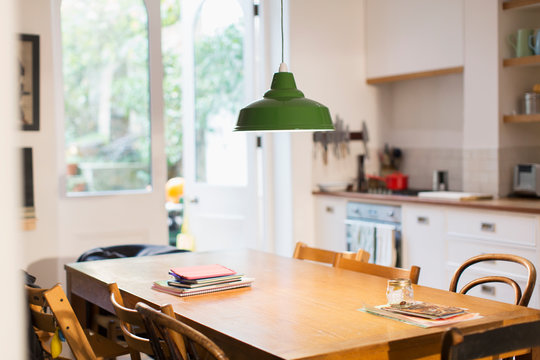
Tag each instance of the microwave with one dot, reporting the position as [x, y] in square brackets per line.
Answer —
[527, 179]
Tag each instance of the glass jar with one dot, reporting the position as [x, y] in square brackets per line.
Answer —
[399, 291]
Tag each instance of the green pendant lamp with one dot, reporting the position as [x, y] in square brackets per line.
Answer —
[284, 107]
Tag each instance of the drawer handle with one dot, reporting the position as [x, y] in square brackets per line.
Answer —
[490, 227]
[488, 290]
[422, 220]
[330, 209]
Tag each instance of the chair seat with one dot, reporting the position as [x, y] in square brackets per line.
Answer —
[104, 347]
[123, 251]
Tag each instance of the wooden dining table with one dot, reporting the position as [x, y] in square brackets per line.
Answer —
[294, 309]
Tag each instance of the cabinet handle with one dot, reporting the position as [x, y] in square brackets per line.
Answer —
[422, 220]
[490, 227]
[488, 290]
[330, 209]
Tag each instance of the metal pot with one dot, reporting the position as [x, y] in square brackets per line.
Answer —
[397, 181]
[394, 181]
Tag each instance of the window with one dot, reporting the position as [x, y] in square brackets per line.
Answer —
[220, 93]
[106, 95]
[171, 47]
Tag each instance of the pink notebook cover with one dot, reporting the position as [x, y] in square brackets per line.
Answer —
[202, 271]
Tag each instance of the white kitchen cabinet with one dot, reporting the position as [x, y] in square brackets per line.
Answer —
[413, 36]
[423, 243]
[330, 214]
[473, 232]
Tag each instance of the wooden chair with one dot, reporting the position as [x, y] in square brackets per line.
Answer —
[160, 326]
[520, 298]
[130, 320]
[500, 341]
[378, 270]
[304, 252]
[50, 308]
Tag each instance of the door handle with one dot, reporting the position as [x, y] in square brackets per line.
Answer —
[422, 220]
[195, 200]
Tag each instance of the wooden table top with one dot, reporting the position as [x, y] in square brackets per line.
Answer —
[294, 310]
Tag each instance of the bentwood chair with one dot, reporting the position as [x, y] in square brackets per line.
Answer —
[133, 328]
[161, 326]
[304, 252]
[520, 298]
[50, 311]
[503, 341]
[378, 270]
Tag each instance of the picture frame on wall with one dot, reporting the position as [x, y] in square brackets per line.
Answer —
[28, 204]
[28, 75]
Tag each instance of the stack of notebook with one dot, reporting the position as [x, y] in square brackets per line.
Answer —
[202, 279]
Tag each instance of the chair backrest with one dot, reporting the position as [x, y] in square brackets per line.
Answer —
[378, 270]
[160, 326]
[50, 308]
[520, 298]
[304, 252]
[130, 319]
[508, 339]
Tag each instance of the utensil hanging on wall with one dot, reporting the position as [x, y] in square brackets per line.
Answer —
[340, 138]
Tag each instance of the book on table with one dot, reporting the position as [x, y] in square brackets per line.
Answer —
[423, 314]
[163, 286]
[201, 279]
[201, 271]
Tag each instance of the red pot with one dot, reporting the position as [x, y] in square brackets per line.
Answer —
[397, 181]
[394, 181]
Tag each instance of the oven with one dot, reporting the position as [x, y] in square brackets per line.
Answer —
[375, 228]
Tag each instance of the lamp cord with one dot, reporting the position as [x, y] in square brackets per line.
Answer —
[282, 38]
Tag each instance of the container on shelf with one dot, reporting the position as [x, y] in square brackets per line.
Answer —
[531, 103]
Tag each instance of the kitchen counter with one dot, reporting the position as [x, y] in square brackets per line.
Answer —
[531, 206]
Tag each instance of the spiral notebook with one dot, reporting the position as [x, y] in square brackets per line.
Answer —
[163, 286]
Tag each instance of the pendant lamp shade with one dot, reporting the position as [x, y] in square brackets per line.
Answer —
[284, 108]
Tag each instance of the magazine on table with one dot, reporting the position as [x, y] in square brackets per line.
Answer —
[425, 315]
[425, 310]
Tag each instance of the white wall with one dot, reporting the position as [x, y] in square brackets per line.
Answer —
[12, 336]
[42, 244]
[328, 62]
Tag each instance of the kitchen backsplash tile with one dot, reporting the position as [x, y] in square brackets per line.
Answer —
[480, 170]
[420, 164]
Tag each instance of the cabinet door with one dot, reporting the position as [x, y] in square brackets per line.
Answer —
[330, 214]
[413, 36]
[424, 244]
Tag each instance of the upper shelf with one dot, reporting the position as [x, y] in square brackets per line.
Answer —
[515, 4]
[522, 118]
[522, 61]
[415, 75]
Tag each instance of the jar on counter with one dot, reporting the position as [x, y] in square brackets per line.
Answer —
[399, 291]
[531, 103]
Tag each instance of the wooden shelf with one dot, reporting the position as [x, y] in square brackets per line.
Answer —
[522, 61]
[521, 118]
[515, 4]
[416, 75]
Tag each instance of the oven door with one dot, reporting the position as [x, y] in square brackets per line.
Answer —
[382, 240]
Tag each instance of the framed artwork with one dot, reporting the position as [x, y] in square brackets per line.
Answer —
[29, 81]
[29, 212]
